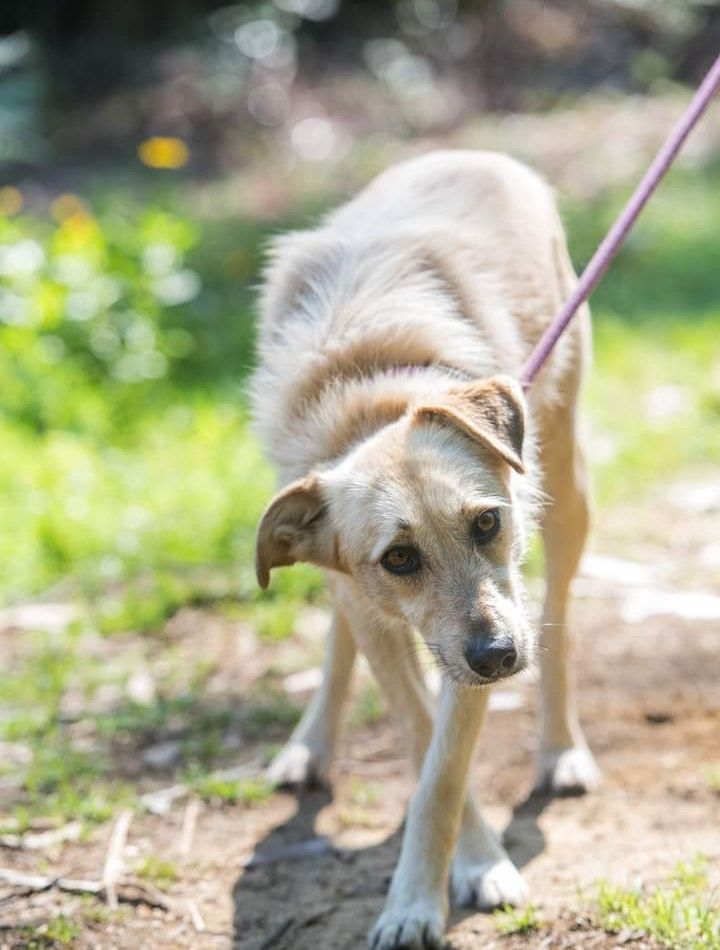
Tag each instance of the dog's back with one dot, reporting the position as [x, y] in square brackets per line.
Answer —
[455, 259]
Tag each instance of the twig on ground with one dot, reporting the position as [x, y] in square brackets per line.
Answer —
[40, 841]
[161, 801]
[33, 882]
[22, 924]
[135, 892]
[126, 892]
[113, 867]
[187, 832]
[195, 916]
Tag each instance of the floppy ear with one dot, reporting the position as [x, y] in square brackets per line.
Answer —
[296, 527]
[491, 412]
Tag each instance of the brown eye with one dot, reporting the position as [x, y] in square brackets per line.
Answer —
[401, 559]
[486, 526]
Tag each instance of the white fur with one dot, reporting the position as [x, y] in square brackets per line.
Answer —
[444, 270]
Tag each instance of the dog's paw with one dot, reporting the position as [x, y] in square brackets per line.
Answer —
[487, 885]
[567, 772]
[298, 765]
[416, 927]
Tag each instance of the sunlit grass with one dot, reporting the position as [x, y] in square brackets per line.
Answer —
[186, 491]
[654, 396]
[518, 920]
[162, 874]
[59, 931]
[681, 913]
[638, 371]
[247, 792]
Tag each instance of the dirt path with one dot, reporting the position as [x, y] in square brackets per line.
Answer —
[320, 865]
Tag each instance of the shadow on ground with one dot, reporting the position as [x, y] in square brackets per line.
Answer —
[298, 891]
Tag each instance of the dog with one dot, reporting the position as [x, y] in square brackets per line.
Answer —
[411, 463]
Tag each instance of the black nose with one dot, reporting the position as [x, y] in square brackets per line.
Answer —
[490, 658]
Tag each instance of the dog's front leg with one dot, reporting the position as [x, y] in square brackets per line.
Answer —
[416, 907]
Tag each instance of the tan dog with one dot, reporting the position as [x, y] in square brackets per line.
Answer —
[410, 475]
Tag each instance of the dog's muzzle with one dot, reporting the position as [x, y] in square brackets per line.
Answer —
[491, 658]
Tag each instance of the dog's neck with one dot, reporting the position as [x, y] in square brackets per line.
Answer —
[351, 410]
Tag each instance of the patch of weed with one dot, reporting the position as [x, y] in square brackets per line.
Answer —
[713, 778]
[61, 931]
[162, 874]
[275, 621]
[362, 793]
[217, 790]
[680, 913]
[368, 706]
[518, 920]
[269, 711]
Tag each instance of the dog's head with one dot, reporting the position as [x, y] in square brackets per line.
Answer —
[424, 517]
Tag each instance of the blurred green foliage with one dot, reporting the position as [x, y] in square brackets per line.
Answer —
[85, 303]
[108, 463]
[654, 393]
[125, 339]
[128, 474]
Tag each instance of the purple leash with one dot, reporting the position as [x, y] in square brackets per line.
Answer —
[615, 238]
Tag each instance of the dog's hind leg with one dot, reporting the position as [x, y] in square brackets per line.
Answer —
[565, 763]
[308, 754]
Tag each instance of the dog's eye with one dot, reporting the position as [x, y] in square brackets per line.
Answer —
[486, 526]
[402, 559]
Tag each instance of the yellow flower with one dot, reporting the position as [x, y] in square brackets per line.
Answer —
[67, 206]
[163, 152]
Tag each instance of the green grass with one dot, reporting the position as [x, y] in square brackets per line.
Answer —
[667, 272]
[76, 760]
[61, 931]
[681, 913]
[518, 920]
[266, 710]
[61, 779]
[217, 790]
[275, 621]
[162, 874]
[657, 320]
[368, 706]
[185, 492]
[631, 363]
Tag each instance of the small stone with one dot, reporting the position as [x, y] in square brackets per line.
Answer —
[162, 755]
[140, 687]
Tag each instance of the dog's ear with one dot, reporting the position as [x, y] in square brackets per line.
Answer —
[492, 412]
[296, 527]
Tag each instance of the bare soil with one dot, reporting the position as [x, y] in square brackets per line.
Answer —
[309, 872]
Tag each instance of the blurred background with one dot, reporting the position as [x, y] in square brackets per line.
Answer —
[147, 152]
